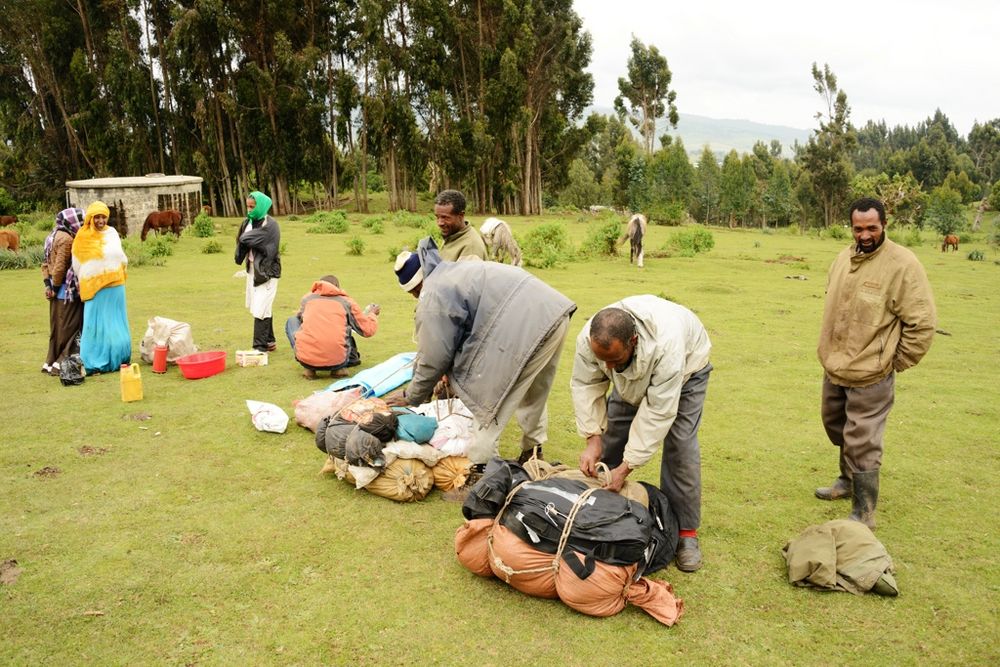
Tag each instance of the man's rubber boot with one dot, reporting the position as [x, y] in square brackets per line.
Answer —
[260, 328]
[688, 558]
[864, 497]
[841, 487]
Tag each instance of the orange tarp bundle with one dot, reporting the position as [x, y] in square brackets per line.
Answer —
[607, 590]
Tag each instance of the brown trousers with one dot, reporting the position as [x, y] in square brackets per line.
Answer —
[65, 322]
[854, 419]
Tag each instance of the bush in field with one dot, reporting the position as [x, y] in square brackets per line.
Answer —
[356, 246]
[671, 213]
[28, 257]
[161, 246]
[976, 256]
[408, 219]
[138, 253]
[203, 227]
[546, 245]
[327, 222]
[912, 238]
[374, 225]
[691, 241]
[836, 232]
[603, 239]
[211, 247]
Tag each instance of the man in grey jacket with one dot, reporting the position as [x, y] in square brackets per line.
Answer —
[496, 331]
[653, 354]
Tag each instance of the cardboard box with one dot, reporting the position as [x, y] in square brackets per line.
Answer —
[251, 358]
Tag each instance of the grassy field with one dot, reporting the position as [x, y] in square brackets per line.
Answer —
[190, 538]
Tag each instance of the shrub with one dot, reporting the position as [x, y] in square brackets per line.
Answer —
[28, 257]
[976, 256]
[414, 220]
[836, 232]
[672, 214]
[912, 238]
[689, 242]
[161, 246]
[603, 239]
[138, 254]
[374, 226]
[203, 227]
[356, 246]
[546, 245]
[327, 222]
[211, 247]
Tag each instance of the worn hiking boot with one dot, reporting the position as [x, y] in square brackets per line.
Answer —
[459, 494]
[688, 558]
[841, 488]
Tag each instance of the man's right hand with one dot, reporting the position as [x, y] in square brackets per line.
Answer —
[396, 400]
[591, 456]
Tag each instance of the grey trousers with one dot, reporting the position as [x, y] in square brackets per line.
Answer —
[854, 419]
[680, 463]
[526, 401]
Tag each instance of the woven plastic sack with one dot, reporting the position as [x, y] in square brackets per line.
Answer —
[471, 548]
[451, 472]
[176, 335]
[311, 410]
[403, 480]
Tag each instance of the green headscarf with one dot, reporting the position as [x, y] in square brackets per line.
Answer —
[263, 205]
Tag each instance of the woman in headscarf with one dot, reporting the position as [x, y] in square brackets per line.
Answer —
[62, 290]
[100, 265]
[257, 244]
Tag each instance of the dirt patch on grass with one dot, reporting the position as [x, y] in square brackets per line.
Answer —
[87, 450]
[48, 471]
[785, 259]
[9, 572]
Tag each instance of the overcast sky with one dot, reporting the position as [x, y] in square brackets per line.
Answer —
[896, 60]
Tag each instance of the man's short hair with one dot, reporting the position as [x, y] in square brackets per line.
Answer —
[332, 279]
[866, 204]
[612, 324]
[453, 197]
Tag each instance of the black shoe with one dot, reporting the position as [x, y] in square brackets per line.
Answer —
[688, 556]
[526, 454]
[841, 488]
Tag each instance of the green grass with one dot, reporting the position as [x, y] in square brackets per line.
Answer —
[196, 539]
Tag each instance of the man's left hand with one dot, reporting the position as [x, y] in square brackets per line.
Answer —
[618, 476]
[397, 400]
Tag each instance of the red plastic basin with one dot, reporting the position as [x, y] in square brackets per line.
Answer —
[202, 364]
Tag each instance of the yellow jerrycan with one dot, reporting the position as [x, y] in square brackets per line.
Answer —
[131, 381]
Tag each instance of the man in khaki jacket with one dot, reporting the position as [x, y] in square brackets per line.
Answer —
[653, 354]
[879, 319]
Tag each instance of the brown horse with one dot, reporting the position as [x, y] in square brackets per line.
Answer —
[161, 221]
[7, 220]
[9, 240]
[950, 241]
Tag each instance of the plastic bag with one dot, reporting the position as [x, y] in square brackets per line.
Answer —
[312, 409]
[71, 370]
[267, 416]
[175, 335]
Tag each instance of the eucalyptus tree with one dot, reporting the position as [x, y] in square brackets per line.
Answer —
[706, 187]
[827, 156]
[647, 92]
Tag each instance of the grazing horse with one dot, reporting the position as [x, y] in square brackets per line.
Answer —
[9, 240]
[500, 241]
[950, 241]
[162, 220]
[634, 233]
[7, 220]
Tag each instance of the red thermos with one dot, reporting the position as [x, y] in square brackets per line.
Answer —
[160, 358]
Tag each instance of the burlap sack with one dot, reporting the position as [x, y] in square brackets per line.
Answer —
[450, 472]
[403, 480]
[470, 546]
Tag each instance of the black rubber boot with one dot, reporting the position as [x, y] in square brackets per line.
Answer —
[841, 487]
[272, 345]
[260, 328]
[864, 497]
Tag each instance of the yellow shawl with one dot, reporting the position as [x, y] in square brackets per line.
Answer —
[98, 258]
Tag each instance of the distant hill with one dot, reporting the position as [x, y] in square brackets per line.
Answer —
[724, 135]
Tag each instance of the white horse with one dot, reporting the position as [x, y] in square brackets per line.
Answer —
[634, 233]
[500, 241]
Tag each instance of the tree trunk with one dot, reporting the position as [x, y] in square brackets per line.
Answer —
[979, 215]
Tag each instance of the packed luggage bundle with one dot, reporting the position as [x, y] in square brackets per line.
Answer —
[381, 450]
[567, 539]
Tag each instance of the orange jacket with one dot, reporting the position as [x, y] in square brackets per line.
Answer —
[328, 317]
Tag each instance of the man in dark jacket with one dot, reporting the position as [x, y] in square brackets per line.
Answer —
[496, 331]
